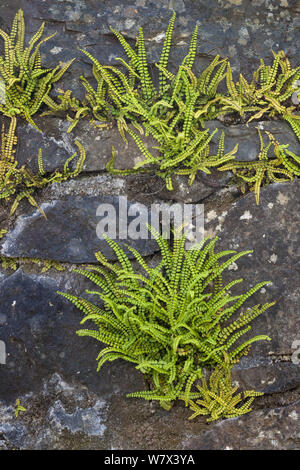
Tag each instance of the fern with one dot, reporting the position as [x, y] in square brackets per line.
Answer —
[164, 58]
[175, 112]
[20, 181]
[27, 84]
[219, 398]
[269, 92]
[171, 321]
[284, 166]
[19, 408]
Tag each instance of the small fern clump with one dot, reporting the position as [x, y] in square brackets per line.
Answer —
[284, 166]
[268, 94]
[26, 83]
[20, 181]
[171, 321]
[218, 398]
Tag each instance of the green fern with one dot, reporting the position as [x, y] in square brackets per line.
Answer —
[19, 408]
[20, 182]
[175, 112]
[27, 84]
[171, 321]
[219, 398]
[284, 166]
[269, 92]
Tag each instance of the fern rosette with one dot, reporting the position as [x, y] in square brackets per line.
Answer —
[171, 321]
[26, 84]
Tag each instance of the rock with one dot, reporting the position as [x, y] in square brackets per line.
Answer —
[47, 366]
[53, 373]
[270, 230]
[151, 187]
[247, 137]
[267, 376]
[62, 412]
[57, 145]
[75, 225]
[242, 30]
[270, 429]
[40, 336]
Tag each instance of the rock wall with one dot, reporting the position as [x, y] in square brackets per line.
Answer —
[52, 370]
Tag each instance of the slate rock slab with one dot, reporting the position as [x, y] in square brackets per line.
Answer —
[62, 415]
[57, 145]
[53, 373]
[271, 230]
[71, 232]
[247, 137]
[39, 328]
[243, 30]
[151, 187]
[270, 429]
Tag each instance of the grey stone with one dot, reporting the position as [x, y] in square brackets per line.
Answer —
[270, 230]
[149, 187]
[73, 223]
[247, 137]
[270, 429]
[244, 30]
[266, 376]
[50, 368]
[40, 326]
[57, 145]
[68, 405]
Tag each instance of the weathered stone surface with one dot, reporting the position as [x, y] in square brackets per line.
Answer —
[50, 368]
[150, 187]
[271, 231]
[247, 137]
[53, 373]
[75, 417]
[270, 429]
[39, 329]
[266, 376]
[73, 223]
[57, 145]
[243, 30]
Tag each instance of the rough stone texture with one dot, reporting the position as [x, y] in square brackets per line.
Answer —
[248, 139]
[272, 429]
[73, 222]
[86, 410]
[271, 231]
[53, 373]
[48, 367]
[150, 187]
[38, 327]
[243, 30]
[57, 145]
